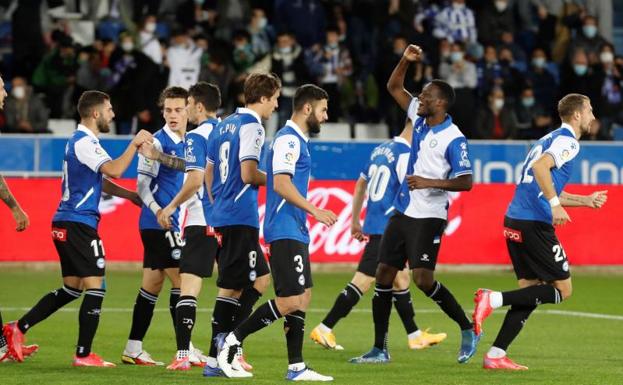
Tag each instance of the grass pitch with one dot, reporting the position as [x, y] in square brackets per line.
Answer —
[577, 342]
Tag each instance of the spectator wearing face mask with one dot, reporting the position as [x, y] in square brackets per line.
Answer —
[496, 18]
[531, 121]
[262, 33]
[488, 69]
[148, 40]
[184, 60]
[495, 119]
[587, 39]
[609, 107]
[461, 74]
[542, 81]
[579, 76]
[337, 66]
[24, 110]
[243, 56]
[134, 83]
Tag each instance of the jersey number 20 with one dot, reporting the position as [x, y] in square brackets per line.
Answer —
[379, 179]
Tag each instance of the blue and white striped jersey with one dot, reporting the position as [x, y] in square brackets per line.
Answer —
[384, 172]
[528, 202]
[82, 179]
[288, 154]
[238, 138]
[197, 153]
[165, 182]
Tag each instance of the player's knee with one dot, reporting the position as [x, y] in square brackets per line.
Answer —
[401, 281]
[423, 282]
[385, 274]
[261, 283]
[565, 291]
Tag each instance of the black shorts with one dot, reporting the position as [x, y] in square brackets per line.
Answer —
[535, 251]
[290, 268]
[240, 257]
[80, 249]
[370, 258]
[162, 249]
[199, 251]
[416, 240]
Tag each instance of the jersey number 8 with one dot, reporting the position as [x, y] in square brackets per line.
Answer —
[223, 156]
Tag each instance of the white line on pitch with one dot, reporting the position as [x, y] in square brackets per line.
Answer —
[568, 313]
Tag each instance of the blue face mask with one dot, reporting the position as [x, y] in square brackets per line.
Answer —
[538, 62]
[590, 31]
[580, 69]
[456, 56]
[527, 102]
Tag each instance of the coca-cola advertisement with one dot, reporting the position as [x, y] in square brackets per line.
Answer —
[474, 234]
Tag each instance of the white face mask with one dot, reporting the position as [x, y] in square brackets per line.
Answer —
[606, 57]
[498, 103]
[150, 27]
[127, 46]
[501, 5]
[19, 92]
[262, 22]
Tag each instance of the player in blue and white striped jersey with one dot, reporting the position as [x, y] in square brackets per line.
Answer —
[285, 229]
[197, 192]
[157, 185]
[538, 258]
[439, 162]
[74, 227]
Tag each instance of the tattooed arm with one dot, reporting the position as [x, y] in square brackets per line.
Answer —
[170, 161]
[21, 219]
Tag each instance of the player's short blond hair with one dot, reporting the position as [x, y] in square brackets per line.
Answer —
[570, 104]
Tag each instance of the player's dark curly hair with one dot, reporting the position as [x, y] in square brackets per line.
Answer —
[207, 94]
[89, 100]
[308, 93]
[446, 92]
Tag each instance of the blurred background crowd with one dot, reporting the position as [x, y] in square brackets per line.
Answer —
[508, 60]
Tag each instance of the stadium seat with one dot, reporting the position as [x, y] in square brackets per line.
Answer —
[63, 127]
[370, 131]
[617, 132]
[334, 131]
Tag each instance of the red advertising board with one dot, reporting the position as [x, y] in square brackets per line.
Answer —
[474, 234]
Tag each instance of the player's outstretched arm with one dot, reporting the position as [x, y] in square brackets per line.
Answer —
[358, 198]
[542, 174]
[170, 161]
[595, 200]
[250, 174]
[395, 84]
[115, 168]
[460, 183]
[285, 188]
[191, 185]
[110, 187]
[21, 219]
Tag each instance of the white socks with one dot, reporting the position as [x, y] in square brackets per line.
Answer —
[297, 367]
[415, 334]
[495, 352]
[495, 299]
[134, 346]
[324, 328]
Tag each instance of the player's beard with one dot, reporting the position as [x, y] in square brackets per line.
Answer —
[313, 125]
[102, 125]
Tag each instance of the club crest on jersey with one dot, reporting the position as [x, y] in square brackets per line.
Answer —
[176, 254]
[98, 150]
[433, 143]
[252, 275]
[101, 262]
[302, 280]
[291, 144]
[565, 154]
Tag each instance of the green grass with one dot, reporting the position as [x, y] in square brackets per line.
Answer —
[558, 348]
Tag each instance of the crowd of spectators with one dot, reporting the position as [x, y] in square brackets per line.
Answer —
[508, 60]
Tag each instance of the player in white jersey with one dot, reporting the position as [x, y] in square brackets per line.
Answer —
[22, 222]
[74, 227]
[439, 163]
[539, 261]
[380, 179]
[200, 245]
